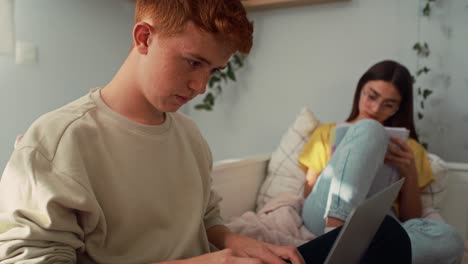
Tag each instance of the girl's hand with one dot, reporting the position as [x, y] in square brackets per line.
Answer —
[400, 155]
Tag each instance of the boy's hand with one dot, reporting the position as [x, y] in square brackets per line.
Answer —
[228, 256]
[247, 247]
[225, 256]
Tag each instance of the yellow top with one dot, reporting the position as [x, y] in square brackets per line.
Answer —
[317, 152]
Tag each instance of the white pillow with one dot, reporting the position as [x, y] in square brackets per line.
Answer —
[284, 174]
[433, 195]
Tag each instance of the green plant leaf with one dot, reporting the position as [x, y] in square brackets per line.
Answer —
[203, 107]
[213, 80]
[426, 51]
[426, 93]
[422, 104]
[209, 99]
[425, 145]
[419, 90]
[427, 9]
[224, 76]
[230, 73]
[422, 50]
[238, 60]
[420, 116]
[424, 70]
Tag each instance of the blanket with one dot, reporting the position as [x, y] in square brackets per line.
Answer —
[279, 222]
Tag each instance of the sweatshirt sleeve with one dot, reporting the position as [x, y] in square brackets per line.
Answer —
[39, 208]
[213, 213]
[212, 209]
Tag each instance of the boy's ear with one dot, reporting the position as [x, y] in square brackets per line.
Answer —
[142, 34]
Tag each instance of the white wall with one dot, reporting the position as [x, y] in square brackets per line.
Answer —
[314, 55]
[310, 55]
[457, 60]
[81, 44]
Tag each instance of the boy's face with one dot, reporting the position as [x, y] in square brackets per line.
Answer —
[175, 69]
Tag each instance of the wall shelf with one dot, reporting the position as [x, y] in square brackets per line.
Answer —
[254, 5]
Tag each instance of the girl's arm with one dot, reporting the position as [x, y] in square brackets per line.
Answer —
[311, 178]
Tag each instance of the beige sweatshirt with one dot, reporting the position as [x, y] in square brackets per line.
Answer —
[86, 185]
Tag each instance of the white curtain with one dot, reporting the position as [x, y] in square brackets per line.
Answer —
[7, 26]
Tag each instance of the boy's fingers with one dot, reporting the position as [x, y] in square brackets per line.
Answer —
[290, 253]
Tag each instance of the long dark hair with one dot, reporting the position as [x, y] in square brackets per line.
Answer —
[398, 75]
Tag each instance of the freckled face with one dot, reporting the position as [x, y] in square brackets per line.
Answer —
[177, 68]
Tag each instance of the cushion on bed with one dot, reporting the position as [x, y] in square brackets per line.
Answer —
[284, 174]
[433, 195]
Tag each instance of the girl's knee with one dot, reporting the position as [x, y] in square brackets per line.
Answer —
[371, 129]
[369, 125]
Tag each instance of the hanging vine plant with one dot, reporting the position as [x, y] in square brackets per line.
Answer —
[422, 52]
[219, 79]
[428, 8]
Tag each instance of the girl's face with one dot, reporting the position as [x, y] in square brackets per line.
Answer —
[379, 100]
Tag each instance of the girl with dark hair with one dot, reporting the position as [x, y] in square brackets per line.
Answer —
[339, 178]
[396, 113]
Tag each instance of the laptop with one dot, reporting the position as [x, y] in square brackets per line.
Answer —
[362, 222]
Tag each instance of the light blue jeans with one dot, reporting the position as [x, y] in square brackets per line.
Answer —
[349, 178]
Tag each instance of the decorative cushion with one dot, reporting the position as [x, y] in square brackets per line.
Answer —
[433, 195]
[284, 173]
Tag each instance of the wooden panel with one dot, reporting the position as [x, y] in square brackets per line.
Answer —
[252, 5]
